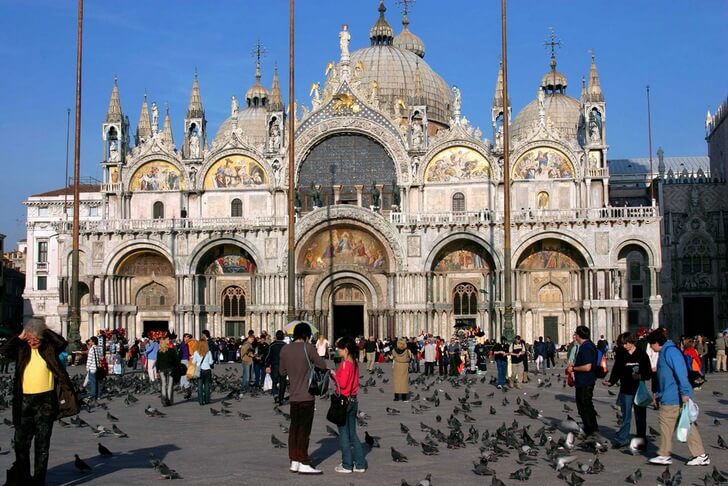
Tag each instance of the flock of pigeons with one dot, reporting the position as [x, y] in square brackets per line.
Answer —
[555, 441]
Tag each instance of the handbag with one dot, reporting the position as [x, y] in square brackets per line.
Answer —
[318, 380]
[338, 408]
[643, 397]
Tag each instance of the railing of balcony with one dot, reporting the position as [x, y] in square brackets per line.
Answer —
[114, 225]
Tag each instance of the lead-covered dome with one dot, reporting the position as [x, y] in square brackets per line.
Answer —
[401, 73]
[251, 120]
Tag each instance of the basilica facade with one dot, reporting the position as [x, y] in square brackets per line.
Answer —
[399, 212]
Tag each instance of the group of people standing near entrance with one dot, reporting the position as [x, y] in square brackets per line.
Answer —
[638, 359]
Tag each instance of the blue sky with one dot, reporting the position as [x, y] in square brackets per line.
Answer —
[676, 46]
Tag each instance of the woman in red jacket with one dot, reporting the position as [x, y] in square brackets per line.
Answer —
[347, 383]
[694, 362]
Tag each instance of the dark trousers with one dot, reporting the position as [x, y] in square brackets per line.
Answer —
[36, 421]
[443, 366]
[259, 372]
[585, 406]
[429, 368]
[279, 384]
[299, 433]
[203, 387]
[550, 361]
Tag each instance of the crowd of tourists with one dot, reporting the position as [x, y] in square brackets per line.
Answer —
[652, 372]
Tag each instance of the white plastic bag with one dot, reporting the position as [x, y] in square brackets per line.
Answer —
[683, 425]
[267, 383]
[85, 381]
[693, 410]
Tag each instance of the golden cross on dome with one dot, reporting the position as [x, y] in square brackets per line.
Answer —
[259, 51]
[553, 42]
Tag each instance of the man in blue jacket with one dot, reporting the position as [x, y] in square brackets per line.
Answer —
[674, 390]
[584, 370]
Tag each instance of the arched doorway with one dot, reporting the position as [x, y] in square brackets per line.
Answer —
[145, 280]
[635, 286]
[348, 302]
[224, 276]
[549, 287]
[463, 287]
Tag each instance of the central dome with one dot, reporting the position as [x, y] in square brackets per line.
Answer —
[401, 73]
[562, 110]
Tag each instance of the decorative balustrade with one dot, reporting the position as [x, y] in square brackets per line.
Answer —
[195, 224]
[597, 172]
[111, 187]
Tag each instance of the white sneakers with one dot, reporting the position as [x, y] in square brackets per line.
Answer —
[294, 466]
[701, 460]
[661, 460]
[307, 469]
[341, 469]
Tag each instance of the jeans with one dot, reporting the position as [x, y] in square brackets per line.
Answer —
[259, 370]
[36, 421]
[626, 403]
[299, 433]
[94, 386]
[247, 374]
[585, 406]
[352, 454]
[167, 383]
[203, 387]
[502, 370]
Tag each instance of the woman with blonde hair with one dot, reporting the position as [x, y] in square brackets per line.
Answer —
[202, 358]
[167, 365]
[400, 374]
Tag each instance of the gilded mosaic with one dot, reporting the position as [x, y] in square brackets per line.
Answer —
[543, 163]
[235, 172]
[157, 175]
[343, 245]
[458, 164]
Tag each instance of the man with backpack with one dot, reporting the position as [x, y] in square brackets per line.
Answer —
[584, 369]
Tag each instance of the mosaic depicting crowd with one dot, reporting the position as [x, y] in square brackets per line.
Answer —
[294, 367]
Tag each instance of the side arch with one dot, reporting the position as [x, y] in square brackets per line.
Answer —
[535, 237]
[199, 252]
[461, 235]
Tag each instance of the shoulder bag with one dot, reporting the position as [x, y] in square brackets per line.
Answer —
[101, 369]
[339, 405]
[318, 380]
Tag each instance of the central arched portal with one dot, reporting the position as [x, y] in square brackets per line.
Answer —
[344, 271]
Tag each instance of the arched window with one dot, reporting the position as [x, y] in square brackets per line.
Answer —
[458, 202]
[696, 257]
[153, 296]
[158, 210]
[233, 302]
[236, 208]
[465, 300]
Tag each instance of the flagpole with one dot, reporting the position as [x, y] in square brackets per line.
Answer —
[74, 336]
[508, 330]
[291, 168]
[649, 145]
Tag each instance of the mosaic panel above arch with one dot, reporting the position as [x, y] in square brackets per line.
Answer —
[144, 264]
[462, 256]
[235, 172]
[551, 254]
[155, 176]
[542, 163]
[227, 260]
[458, 164]
[343, 245]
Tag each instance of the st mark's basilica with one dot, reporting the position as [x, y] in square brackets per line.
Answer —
[399, 220]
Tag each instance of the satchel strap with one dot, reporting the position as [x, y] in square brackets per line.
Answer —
[308, 360]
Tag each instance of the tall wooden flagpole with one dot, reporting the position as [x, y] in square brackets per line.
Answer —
[508, 330]
[74, 336]
[291, 168]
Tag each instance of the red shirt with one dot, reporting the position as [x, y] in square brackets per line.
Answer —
[347, 379]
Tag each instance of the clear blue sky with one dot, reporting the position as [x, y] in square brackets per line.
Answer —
[676, 46]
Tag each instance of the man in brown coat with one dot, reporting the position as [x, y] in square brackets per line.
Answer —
[42, 393]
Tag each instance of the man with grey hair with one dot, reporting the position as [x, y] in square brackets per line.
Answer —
[42, 393]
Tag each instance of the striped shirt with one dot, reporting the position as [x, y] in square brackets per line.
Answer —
[94, 356]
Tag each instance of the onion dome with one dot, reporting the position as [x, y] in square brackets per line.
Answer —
[408, 41]
[381, 33]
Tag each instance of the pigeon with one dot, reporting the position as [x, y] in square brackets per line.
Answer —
[331, 431]
[717, 394]
[717, 476]
[392, 411]
[104, 451]
[721, 443]
[118, 432]
[575, 480]
[496, 482]
[482, 469]
[635, 477]
[563, 461]
[244, 416]
[283, 428]
[8, 422]
[371, 441]
[521, 474]
[411, 441]
[492, 410]
[277, 443]
[709, 481]
[63, 423]
[111, 418]
[398, 456]
[81, 466]
[153, 412]
[429, 449]
[666, 476]
[167, 473]
[403, 428]
[425, 482]
[214, 412]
